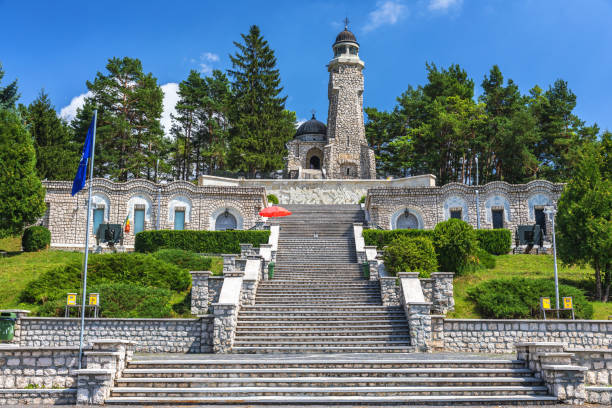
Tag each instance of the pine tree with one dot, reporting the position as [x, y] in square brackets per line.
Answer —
[56, 153]
[8, 94]
[260, 125]
[129, 137]
[21, 192]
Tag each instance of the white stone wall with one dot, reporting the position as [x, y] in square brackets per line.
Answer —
[67, 214]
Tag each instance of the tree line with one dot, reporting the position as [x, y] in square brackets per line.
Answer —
[440, 128]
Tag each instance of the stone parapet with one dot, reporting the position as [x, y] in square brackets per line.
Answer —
[442, 292]
[224, 327]
[389, 291]
[199, 292]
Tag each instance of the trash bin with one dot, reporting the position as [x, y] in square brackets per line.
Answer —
[7, 326]
[271, 270]
[365, 267]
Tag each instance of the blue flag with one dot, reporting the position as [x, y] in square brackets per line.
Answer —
[81, 176]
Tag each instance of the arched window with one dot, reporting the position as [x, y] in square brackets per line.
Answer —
[315, 163]
[225, 221]
[407, 220]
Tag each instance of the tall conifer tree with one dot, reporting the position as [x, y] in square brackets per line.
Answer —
[260, 124]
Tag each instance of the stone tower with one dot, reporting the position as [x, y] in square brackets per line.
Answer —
[347, 154]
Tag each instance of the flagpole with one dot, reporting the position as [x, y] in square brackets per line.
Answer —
[91, 165]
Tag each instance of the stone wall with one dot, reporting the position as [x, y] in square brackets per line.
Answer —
[500, 336]
[66, 215]
[48, 367]
[431, 205]
[152, 335]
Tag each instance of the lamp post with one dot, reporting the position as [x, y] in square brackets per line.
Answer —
[477, 197]
[551, 212]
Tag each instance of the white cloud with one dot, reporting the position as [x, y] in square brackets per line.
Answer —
[387, 13]
[69, 112]
[209, 56]
[169, 102]
[170, 99]
[206, 62]
[206, 68]
[443, 5]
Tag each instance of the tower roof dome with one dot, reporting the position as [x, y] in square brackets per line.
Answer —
[310, 127]
[344, 36]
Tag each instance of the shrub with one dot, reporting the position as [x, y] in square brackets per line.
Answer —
[495, 241]
[519, 298]
[187, 260]
[485, 259]
[35, 238]
[456, 245]
[272, 199]
[382, 238]
[362, 200]
[216, 242]
[406, 254]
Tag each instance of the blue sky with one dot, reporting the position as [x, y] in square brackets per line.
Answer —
[60, 45]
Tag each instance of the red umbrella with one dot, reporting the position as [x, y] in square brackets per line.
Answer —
[274, 211]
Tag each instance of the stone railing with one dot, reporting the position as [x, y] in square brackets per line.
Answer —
[438, 290]
[418, 311]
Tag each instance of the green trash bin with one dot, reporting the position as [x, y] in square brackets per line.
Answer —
[271, 270]
[7, 326]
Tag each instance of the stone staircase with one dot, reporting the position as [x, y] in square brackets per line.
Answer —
[329, 379]
[318, 300]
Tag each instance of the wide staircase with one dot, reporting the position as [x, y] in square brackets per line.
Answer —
[318, 300]
[318, 335]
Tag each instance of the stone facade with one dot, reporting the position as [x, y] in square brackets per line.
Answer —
[152, 335]
[66, 215]
[428, 206]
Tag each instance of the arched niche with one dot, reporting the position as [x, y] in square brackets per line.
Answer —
[455, 202]
[314, 159]
[98, 201]
[537, 200]
[226, 216]
[179, 202]
[407, 218]
[140, 199]
[497, 201]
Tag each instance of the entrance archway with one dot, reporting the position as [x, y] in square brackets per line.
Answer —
[314, 159]
[315, 163]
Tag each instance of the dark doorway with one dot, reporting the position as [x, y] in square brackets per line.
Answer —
[498, 218]
[540, 219]
[455, 214]
[315, 163]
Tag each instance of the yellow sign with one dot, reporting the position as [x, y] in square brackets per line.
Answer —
[71, 300]
[567, 303]
[545, 303]
[93, 299]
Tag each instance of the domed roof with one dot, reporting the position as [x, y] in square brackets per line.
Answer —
[345, 35]
[311, 126]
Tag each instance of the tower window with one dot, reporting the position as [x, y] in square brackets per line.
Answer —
[353, 50]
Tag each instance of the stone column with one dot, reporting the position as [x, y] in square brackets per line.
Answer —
[224, 327]
[442, 296]
[419, 324]
[199, 292]
[229, 263]
[389, 291]
[373, 263]
[245, 250]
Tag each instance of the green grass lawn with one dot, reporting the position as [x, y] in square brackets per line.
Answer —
[530, 266]
[18, 268]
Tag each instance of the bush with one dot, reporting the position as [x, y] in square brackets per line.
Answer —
[495, 241]
[456, 245]
[405, 254]
[519, 298]
[187, 260]
[382, 238]
[485, 259]
[133, 269]
[35, 238]
[212, 242]
[362, 200]
[272, 199]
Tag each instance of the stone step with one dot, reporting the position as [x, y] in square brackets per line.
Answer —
[323, 332]
[368, 326]
[309, 341]
[319, 309]
[315, 339]
[302, 348]
[312, 322]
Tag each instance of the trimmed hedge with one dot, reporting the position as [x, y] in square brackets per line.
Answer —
[211, 242]
[519, 298]
[35, 238]
[456, 245]
[184, 259]
[405, 254]
[495, 241]
[382, 238]
[272, 199]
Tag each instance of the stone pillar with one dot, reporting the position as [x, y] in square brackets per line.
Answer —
[199, 292]
[419, 324]
[373, 263]
[442, 295]
[224, 327]
[389, 291]
[20, 315]
[245, 250]
[229, 263]
[437, 333]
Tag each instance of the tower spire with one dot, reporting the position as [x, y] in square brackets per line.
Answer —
[346, 23]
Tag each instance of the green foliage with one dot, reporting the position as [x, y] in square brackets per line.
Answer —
[495, 241]
[519, 298]
[56, 153]
[584, 218]
[272, 199]
[215, 242]
[129, 137]
[485, 259]
[456, 245]
[21, 192]
[35, 238]
[362, 200]
[184, 259]
[8, 94]
[382, 238]
[406, 254]
[260, 124]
